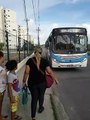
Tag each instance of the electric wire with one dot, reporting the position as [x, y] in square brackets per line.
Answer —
[38, 13]
[34, 12]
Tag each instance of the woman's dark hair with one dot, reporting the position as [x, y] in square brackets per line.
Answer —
[11, 65]
[1, 54]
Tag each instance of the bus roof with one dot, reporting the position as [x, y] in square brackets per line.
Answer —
[69, 30]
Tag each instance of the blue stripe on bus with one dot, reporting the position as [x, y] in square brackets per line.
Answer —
[58, 59]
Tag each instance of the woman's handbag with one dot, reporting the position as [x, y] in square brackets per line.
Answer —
[24, 95]
[49, 80]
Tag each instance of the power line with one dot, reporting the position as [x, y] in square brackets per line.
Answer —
[38, 13]
[26, 19]
[38, 23]
[37, 18]
[34, 11]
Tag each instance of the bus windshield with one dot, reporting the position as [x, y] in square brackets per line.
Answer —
[70, 43]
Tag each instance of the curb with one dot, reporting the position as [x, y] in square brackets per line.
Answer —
[58, 108]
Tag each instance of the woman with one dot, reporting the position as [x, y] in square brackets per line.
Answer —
[36, 80]
[3, 82]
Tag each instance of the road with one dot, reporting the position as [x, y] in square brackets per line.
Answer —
[73, 91]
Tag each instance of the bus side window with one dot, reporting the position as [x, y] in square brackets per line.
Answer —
[50, 39]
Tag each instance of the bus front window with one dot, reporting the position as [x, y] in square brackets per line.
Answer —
[70, 43]
[81, 44]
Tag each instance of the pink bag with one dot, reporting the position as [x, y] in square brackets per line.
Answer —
[49, 81]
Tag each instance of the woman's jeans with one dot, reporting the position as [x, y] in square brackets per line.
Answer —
[37, 93]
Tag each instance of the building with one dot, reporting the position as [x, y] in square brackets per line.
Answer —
[22, 34]
[1, 25]
[16, 33]
[8, 23]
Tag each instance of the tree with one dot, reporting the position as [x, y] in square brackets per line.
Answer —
[1, 46]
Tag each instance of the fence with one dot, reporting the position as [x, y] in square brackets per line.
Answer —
[15, 47]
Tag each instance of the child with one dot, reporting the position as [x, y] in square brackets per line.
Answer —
[3, 81]
[13, 88]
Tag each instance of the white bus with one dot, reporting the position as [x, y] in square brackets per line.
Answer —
[67, 47]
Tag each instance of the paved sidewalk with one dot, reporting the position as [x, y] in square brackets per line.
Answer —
[24, 110]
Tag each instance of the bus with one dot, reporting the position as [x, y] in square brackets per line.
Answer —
[66, 47]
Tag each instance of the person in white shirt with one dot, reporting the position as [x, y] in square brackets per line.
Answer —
[3, 82]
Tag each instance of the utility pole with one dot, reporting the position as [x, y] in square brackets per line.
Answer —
[38, 30]
[26, 19]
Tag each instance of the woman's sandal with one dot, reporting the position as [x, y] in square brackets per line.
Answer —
[18, 117]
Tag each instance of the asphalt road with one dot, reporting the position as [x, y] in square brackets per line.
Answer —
[74, 91]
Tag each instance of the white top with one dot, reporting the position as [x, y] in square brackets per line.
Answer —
[3, 79]
[13, 79]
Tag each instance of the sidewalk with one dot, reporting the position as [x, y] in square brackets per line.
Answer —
[24, 110]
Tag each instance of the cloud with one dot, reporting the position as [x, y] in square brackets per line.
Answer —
[50, 3]
[44, 4]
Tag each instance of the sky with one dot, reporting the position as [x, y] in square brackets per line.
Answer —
[52, 13]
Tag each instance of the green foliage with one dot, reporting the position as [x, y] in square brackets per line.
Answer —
[1, 46]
